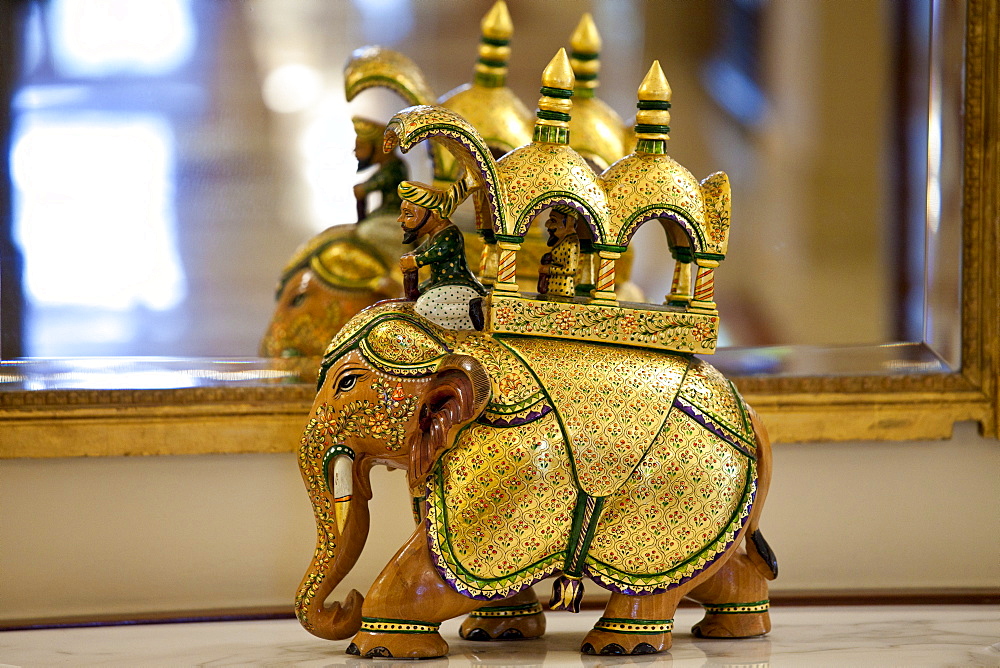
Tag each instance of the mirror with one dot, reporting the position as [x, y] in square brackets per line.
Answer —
[231, 145]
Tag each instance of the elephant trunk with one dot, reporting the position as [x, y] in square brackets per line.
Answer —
[340, 498]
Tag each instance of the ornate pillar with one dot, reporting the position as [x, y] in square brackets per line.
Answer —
[704, 286]
[605, 291]
[680, 288]
[488, 259]
[507, 267]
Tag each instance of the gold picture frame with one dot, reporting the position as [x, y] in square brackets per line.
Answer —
[234, 418]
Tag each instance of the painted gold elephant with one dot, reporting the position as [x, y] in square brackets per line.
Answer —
[642, 470]
[571, 436]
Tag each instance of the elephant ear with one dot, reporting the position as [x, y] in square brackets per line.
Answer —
[456, 395]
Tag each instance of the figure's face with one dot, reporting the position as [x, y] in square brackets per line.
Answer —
[412, 218]
[364, 152]
[557, 226]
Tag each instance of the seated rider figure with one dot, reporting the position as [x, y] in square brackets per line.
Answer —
[452, 296]
[557, 275]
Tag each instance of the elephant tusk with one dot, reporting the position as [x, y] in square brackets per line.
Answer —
[338, 463]
[343, 488]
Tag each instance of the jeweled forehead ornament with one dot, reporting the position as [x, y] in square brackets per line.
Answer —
[646, 185]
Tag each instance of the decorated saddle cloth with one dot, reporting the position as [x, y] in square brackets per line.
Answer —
[633, 467]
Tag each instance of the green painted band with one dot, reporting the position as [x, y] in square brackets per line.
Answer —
[643, 128]
[586, 77]
[551, 134]
[492, 63]
[390, 620]
[334, 451]
[611, 248]
[493, 41]
[682, 254]
[410, 626]
[556, 92]
[649, 105]
[509, 238]
[584, 93]
[738, 608]
[507, 611]
[579, 55]
[764, 601]
[634, 626]
[553, 115]
[651, 146]
[710, 256]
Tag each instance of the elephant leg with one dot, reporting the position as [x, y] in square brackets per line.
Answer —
[633, 625]
[406, 604]
[516, 618]
[735, 601]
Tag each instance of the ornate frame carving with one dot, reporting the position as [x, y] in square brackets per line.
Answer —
[72, 423]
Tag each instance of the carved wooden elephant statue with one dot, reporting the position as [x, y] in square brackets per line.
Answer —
[531, 457]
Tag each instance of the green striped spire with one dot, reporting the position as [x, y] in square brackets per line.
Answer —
[585, 50]
[494, 47]
[552, 115]
[652, 122]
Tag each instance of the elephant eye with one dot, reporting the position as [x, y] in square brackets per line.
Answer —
[298, 299]
[347, 382]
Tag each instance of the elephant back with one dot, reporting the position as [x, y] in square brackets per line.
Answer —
[612, 401]
[507, 505]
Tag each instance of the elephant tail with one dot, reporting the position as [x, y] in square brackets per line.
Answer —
[760, 553]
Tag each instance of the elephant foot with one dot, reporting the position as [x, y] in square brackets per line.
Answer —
[616, 642]
[510, 622]
[417, 641]
[727, 624]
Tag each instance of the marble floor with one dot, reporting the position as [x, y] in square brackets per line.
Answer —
[802, 636]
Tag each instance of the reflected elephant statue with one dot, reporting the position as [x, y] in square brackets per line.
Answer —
[342, 269]
[529, 457]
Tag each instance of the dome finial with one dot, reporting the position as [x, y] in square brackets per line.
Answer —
[552, 124]
[494, 47]
[497, 24]
[652, 122]
[585, 45]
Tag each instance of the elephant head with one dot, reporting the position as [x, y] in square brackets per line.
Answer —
[331, 277]
[389, 393]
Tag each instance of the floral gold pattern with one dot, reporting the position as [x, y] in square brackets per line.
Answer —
[598, 392]
[682, 507]
[642, 325]
[675, 495]
[500, 508]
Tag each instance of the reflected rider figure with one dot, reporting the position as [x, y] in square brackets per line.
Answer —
[390, 173]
